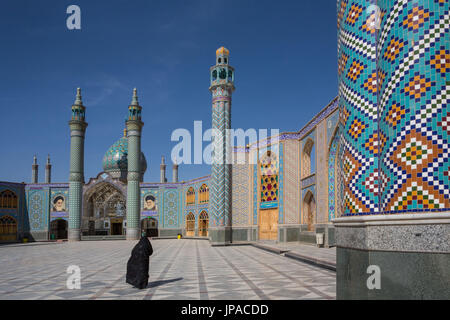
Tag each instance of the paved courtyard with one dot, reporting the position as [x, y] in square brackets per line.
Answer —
[179, 270]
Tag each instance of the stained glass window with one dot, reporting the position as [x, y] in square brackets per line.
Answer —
[269, 177]
[203, 194]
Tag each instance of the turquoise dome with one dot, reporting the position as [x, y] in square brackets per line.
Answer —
[115, 161]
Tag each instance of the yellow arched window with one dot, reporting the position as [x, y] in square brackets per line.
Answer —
[203, 194]
[8, 200]
[190, 196]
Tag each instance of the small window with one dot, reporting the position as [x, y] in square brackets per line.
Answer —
[223, 73]
[225, 60]
[220, 60]
[214, 75]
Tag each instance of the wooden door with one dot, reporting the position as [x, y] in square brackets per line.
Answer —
[190, 225]
[8, 229]
[268, 224]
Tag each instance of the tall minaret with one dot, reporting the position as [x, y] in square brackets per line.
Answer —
[162, 168]
[76, 178]
[175, 172]
[48, 171]
[134, 127]
[222, 87]
[34, 170]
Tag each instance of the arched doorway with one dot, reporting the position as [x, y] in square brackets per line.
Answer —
[308, 158]
[269, 191]
[190, 225]
[104, 209]
[8, 228]
[150, 227]
[203, 222]
[58, 229]
[309, 210]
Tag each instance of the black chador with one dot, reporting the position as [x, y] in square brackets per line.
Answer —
[137, 266]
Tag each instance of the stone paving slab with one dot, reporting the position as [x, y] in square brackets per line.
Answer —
[321, 257]
[185, 269]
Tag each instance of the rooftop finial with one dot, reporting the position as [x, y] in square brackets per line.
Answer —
[134, 101]
[78, 98]
[162, 160]
[48, 159]
[222, 51]
[125, 132]
[34, 160]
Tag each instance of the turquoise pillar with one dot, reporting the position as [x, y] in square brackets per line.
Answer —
[134, 127]
[222, 87]
[76, 178]
[394, 213]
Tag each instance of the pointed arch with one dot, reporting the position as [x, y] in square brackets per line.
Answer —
[203, 194]
[333, 167]
[309, 210]
[203, 223]
[190, 197]
[8, 199]
[307, 154]
[190, 225]
[269, 177]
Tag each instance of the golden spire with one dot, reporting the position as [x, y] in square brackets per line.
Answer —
[125, 132]
[222, 51]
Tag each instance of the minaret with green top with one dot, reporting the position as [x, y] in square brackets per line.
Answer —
[134, 128]
[77, 126]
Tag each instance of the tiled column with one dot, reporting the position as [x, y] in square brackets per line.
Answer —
[222, 87]
[76, 178]
[395, 149]
[134, 127]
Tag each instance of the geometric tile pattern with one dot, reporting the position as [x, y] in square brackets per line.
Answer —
[292, 186]
[221, 172]
[38, 209]
[241, 189]
[358, 106]
[281, 215]
[411, 99]
[414, 103]
[171, 211]
[269, 177]
[332, 176]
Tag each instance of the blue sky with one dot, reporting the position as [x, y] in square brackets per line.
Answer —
[284, 54]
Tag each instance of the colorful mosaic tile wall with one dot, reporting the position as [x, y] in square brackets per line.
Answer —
[241, 193]
[394, 97]
[38, 208]
[16, 213]
[358, 104]
[331, 177]
[292, 181]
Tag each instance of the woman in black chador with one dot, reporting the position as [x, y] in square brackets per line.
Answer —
[137, 266]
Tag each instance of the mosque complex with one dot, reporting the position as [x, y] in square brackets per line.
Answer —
[369, 173]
